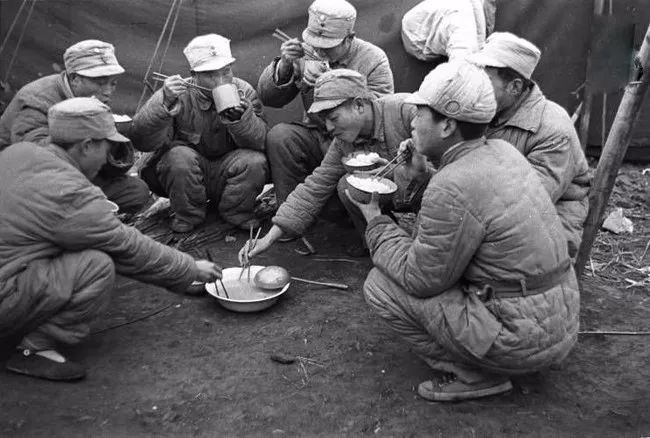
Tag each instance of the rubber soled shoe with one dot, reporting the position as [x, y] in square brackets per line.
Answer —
[451, 389]
[33, 365]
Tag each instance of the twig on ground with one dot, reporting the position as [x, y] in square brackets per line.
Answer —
[148, 315]
[612, 332]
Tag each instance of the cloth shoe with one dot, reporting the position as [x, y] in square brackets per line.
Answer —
[31, 364]
[180, 226]
[449, 388]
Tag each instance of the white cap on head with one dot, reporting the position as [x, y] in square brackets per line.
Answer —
[330, 21]
[208, 52]
[504, 49]
[458, 90]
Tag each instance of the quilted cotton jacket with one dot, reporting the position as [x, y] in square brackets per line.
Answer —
[485, 218]
[47, 206]
[542, 131]
[364, 57]
[193, 121]
[25, 118]
[392, 126]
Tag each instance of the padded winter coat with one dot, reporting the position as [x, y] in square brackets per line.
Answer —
[25, 118]
[542, 131]
[193, 121]
[392, 126]
[47, 207]
[363, 57]
[485, 218]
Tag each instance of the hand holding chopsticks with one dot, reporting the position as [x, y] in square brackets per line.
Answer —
[296, 49]
[211, 260]
[250, 245]
[159, 77]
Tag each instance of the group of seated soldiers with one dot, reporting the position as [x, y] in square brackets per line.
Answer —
[483, 287]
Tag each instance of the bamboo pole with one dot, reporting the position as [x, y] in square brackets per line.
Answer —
[614, 151]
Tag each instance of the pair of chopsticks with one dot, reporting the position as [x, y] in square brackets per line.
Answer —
[161, 78]
[247, 264]
[210, 259]
[309, 52]
[385, 169]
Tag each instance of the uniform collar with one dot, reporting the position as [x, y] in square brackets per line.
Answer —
[525, 114]
[67, 90]
[460, 149]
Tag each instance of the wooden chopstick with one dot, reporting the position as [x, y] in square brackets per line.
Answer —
[161, 77]
[211, 260]
[382, 171]
[311, 54]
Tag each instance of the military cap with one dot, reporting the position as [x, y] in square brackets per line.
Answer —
[92, 58]
[503, 49]
[208, 52]
[80, 118]
[330, 21]
[334, 87]
[458, 90]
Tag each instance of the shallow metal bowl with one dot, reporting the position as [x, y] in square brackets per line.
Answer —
[254, 301]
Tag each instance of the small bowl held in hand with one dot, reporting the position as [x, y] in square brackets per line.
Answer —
[361, 161]
[362, 186]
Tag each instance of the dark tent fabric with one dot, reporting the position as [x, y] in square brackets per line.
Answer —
[561, 28]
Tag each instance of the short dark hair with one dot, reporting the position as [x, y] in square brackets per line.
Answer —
[508, 75]
[468, 130]
[65, 145]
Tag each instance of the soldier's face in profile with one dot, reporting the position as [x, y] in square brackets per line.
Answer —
[345, 121]
[101, 87]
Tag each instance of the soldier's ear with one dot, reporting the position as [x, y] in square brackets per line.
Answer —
[449, 128]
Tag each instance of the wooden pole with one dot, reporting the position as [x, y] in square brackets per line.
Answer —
[585, 118]
[613, 152]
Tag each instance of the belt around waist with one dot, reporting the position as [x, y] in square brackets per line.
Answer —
[526, 286]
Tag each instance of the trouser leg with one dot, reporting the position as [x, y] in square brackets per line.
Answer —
[294, 151]
[180, 172]
[64, 295]
[235, 182]
[420, 322]
[130, 193]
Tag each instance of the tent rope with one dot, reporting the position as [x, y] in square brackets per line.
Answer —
[13, 24]
[155, 52]
[20, 40]
[169, 36]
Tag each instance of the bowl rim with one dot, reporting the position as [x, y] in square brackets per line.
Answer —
[390, 183]
[348, 157]
[211, 288]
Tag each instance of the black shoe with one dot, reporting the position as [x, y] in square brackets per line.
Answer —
[30, 364]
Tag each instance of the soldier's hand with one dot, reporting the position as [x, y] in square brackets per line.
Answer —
[369, 210]
[236, 113]
[208, 272]
[312, 71]
[291, 50]
[173, 87]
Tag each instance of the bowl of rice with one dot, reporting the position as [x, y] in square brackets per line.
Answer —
[361, 161]
[362, 186]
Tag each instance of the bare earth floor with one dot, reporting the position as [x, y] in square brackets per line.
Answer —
[196, 369]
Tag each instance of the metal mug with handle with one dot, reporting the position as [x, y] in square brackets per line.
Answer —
[226, 96]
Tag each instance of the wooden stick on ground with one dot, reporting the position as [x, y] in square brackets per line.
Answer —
[614, 152]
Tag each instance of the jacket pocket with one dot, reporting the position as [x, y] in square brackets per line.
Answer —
[471, 327]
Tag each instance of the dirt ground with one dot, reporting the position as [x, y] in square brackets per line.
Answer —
[196, 369]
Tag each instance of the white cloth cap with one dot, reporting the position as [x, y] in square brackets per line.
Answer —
[458, 90]
[208, 52]
[330, 21]
[503, 49]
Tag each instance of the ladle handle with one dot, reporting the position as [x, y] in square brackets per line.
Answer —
[334, 285]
